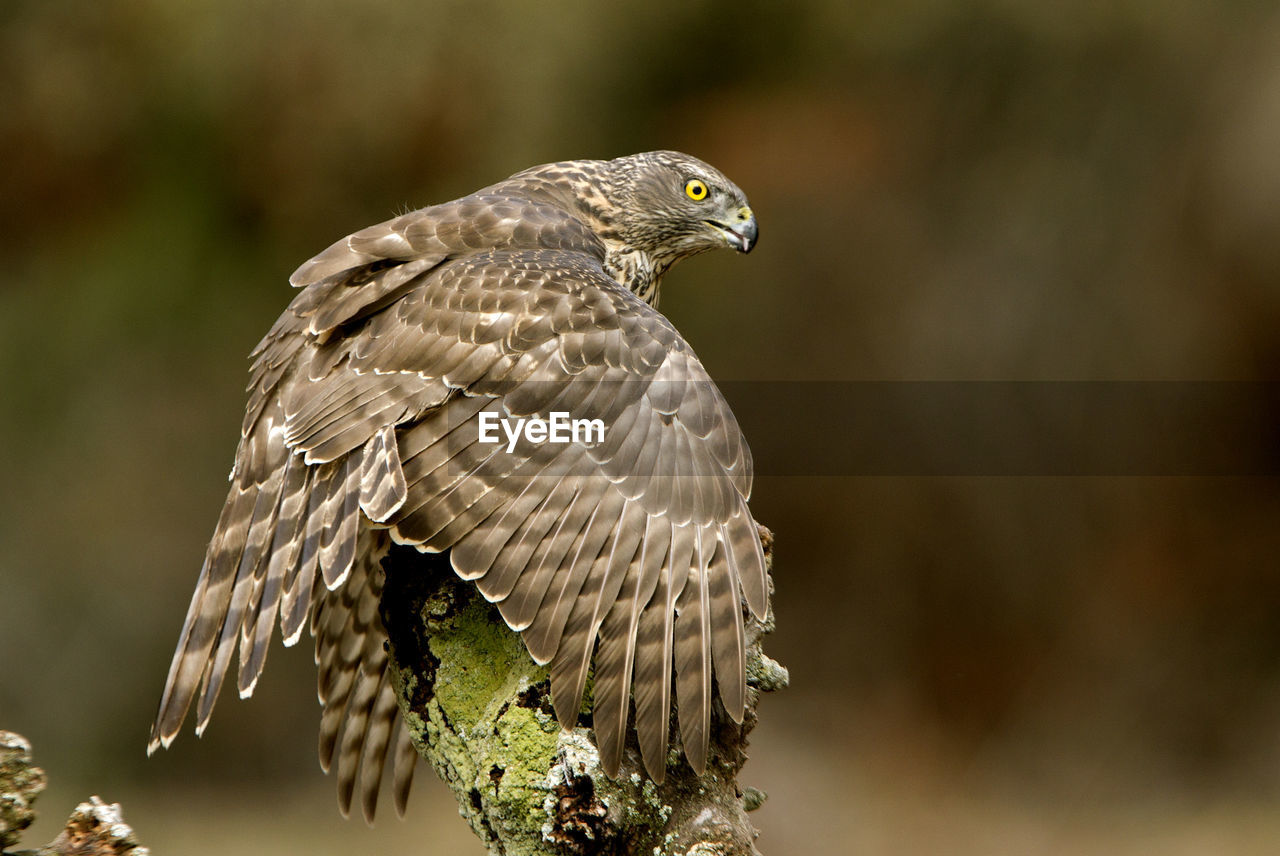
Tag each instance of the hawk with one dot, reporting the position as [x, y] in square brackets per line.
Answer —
[532, 296]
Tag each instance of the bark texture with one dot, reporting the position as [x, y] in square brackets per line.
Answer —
[479, 710]
[95, 828]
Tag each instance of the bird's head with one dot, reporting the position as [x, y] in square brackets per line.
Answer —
[671, 205]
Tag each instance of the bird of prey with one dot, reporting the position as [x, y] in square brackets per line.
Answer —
[531, 296]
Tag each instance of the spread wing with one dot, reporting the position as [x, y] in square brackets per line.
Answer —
[364, 415]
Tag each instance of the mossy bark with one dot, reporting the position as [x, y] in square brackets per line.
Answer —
[479, 710]
[95, 828]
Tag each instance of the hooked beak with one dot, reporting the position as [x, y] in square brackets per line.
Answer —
[742, 233]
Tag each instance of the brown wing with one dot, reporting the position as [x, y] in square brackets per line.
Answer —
[573, 541]
[264, 554]
[643, 541]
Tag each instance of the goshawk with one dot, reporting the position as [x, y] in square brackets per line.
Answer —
[534, 295]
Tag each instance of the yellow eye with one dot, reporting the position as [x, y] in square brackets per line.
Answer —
[695, 190]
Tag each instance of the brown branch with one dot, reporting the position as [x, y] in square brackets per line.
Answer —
[95, 828]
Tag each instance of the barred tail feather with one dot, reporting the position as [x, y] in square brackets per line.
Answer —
[377, 738]
[359, 708]
[360, 711]
[404, 762]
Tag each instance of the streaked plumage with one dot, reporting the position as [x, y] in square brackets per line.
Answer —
[362, 428]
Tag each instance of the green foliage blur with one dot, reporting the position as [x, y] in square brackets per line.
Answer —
[991, 190]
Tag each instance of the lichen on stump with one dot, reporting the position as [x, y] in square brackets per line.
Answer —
[95, 828]
[20, 783]
[479, 710]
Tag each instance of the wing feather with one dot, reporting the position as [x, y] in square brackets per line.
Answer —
[382, 484]
[514, 557]
[286, 543]
[599, 591]
[220, 581]
[338, 538]
[728, 638]
[259, 530]
[692, 654]
[654, 638]
[545, 632]
[615, 656]
[742, 537]
[341, 299]
[300, 582]
[522, 604]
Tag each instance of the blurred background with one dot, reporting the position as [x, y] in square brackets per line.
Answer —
[987, 190]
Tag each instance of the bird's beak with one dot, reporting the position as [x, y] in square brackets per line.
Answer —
[741, 231]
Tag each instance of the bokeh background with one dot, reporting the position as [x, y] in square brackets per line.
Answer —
[948, 191]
